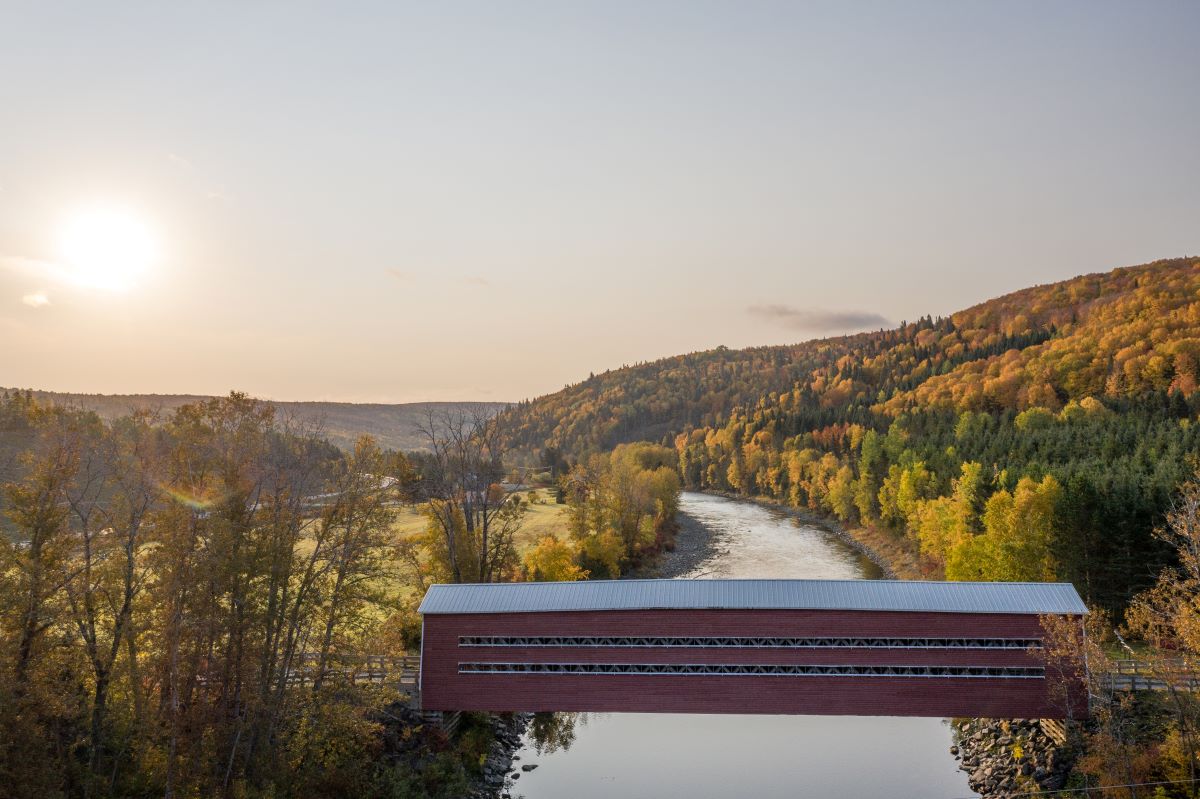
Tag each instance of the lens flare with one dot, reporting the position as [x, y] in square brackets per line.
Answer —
[196, 499]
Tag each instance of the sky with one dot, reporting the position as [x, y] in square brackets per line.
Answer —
[386, 202]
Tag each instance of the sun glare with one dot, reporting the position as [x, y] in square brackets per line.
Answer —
[106, 248]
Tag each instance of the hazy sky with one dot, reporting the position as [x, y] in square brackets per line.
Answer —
[375, 202]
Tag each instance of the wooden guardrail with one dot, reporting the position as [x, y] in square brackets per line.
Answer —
[401, 670]
[1141, 675]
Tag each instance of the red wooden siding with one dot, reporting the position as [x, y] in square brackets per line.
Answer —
[444, 688]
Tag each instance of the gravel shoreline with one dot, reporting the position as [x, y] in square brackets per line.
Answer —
[694, 544]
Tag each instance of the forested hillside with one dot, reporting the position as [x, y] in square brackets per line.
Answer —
[652, 400]
[1117, 333]
[1034, 436]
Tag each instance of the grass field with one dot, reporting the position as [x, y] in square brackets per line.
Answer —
[542, 519]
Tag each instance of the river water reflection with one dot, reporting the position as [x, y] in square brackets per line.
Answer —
[636, 755]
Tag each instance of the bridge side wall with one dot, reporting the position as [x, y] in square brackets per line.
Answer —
[445, 688]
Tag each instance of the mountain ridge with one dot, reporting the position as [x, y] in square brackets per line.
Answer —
[392, 424]
[881, 371]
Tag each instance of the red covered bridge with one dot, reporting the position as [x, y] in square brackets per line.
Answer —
[854, 647]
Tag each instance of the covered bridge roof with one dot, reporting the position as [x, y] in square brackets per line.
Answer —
[882, 595]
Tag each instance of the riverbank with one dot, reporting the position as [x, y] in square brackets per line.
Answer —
[891, 553]
[499, 770]
[693, 545]
[1009, 757]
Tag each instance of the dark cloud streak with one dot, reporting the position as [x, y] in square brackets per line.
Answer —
[818, 320]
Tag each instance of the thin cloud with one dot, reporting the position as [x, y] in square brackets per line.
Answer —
[36, 300]
[33, 267]
[198, 178]
[397, 274]
[180, 161]
[478, 281]
[818, 320]
[18, 263]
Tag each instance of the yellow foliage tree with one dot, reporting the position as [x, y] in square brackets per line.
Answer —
[552, 560]
[1016, 543]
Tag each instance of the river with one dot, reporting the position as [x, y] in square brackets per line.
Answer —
[644, 755]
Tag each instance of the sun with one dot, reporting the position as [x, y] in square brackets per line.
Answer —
[106, 247]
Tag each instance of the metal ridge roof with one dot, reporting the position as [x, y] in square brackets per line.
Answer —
[882, 595]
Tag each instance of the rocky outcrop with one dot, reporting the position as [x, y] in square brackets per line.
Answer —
[1006, 757]
[499, 771]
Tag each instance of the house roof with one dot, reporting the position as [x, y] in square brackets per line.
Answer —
[878, 595]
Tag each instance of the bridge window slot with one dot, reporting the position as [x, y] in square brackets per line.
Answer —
[770, 670]
[744, 642]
